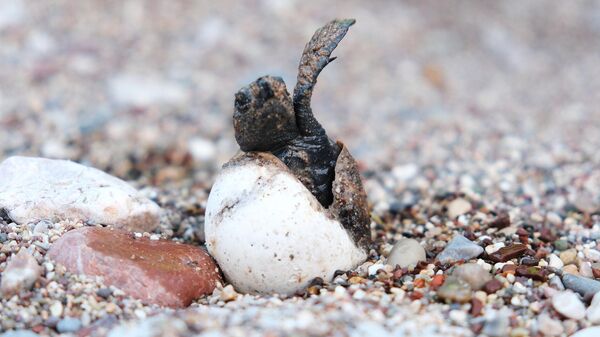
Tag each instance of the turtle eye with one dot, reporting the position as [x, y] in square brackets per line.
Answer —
[242, 99]
[265, 90]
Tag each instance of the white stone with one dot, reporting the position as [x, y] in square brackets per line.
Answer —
[21, 272]
[593, 311]
[555, 262]
[490, 249]
[56, 309]
[406, 252]
[458, 207]
[35, 189]
[588, 332]
[585, 270]
[373, 269]
[549, 326]
[12, 12]
[269, 234]
[568, 304]
[202, 150]
[592, 254]
[405, 172]
[129, 89]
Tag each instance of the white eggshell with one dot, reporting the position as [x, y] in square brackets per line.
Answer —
[269, 234]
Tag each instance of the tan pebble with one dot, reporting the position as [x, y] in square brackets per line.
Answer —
[568, 256]
[571, 269]
[111, 307]
[356, 280]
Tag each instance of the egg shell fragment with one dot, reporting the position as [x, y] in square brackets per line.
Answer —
[268, 233]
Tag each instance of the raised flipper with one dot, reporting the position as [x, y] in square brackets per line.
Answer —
[316, 55]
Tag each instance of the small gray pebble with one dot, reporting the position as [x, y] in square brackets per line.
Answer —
[3, 237]
[104, 292]
[68, 324]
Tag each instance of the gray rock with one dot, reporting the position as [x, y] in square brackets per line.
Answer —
[406, 252]
[497, 322]
[556, 283]
[473, 274]
[584, 286]
[35, 189]
[20, 274]
[455, 290]
[68, 324]
[460, 248]
[19, 333]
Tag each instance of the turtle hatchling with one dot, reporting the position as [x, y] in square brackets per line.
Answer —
[290, 206]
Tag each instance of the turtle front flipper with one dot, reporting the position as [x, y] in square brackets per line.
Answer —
[316, 55]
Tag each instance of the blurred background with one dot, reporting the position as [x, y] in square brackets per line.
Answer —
[144, 89]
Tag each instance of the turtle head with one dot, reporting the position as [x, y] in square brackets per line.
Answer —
[264, 118]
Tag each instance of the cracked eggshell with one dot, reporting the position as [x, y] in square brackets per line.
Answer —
[269, 234]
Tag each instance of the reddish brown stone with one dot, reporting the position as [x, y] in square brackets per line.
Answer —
[547, 235]
[492, 286]
[416, 295]
[508, 269]
[156, 272]
[476, 307]
[437, 281]
[509, 252]
[419, 283]
[502, 221]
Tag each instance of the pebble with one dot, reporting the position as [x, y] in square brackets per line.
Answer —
[568, 256]
[473, 274]
[455, 290]
[561, 245]
[104, 292]
[19, 333]
[593, 311]
[56, 309]
[568, 304]
[458, 207]
[172, 274]
[460, 248]
[406, 252]
[492, 286]
[34, 189]
[228, 293]
[588, 332]
[534, 273]
[140, 91]
[549, 326]
[507, 253]
[571, 269]
[21, 273]
[584, 286]
[555, 262]
[585, 269]
[202, 150]
[497, 323]
[556, 283]
[490, 249]
[592, 254]
[68, 324]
